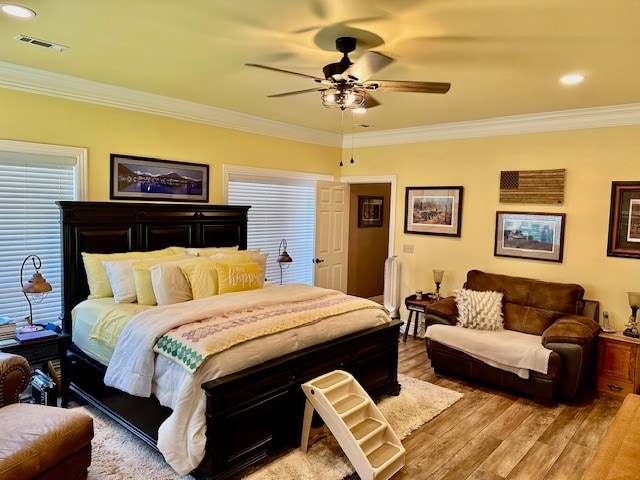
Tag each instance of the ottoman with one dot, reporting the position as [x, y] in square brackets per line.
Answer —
[44, 442]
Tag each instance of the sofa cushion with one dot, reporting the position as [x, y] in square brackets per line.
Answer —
[530, 306]
[479, 310]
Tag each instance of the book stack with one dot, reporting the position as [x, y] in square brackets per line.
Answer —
[7, 328]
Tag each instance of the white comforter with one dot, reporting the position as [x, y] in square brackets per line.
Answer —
[514, 352]
[136, 369]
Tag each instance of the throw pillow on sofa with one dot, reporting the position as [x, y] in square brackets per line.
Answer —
[479, 310]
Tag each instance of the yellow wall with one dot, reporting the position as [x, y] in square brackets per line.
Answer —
[592, 159]
[104, 130]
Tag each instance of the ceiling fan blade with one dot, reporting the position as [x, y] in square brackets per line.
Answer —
[297, 92]
[407, 86]
[304, 75]
[365, 66]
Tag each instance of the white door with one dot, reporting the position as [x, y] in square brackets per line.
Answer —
[332, 235]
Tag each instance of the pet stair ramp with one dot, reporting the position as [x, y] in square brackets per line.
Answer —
[363, 433]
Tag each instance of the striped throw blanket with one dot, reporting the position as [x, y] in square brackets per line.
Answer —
[191, 344]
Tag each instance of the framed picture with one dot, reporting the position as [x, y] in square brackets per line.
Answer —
[140, 178]
[370, 211]
[535, 236]
[624, 220]
[433, 210]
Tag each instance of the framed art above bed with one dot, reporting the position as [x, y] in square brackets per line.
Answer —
[141, 178]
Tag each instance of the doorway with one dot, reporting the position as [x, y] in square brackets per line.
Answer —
[366, 263]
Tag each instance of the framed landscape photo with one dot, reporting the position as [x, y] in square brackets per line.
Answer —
[370, 211]
[535, 236]
[141, 178]
[433, 210]
[624, 220]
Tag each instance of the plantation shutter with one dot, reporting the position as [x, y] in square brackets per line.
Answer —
[29, 187]
[280, 209]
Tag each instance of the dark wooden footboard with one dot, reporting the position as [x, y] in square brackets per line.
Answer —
[257, 412]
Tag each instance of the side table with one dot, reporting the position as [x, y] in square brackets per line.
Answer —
[618, 370]
[38, 352]
[416, 306]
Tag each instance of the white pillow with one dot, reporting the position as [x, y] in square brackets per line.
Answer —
[169, 283]
[261, 260]
[120, 275]
[479, 310]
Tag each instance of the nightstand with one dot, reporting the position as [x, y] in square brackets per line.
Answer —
[618, 364]
[39, 352]
[416, 306]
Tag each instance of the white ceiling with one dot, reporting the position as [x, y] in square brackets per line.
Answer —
[502, 57]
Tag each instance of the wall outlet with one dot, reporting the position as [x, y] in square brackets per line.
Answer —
[407, 248]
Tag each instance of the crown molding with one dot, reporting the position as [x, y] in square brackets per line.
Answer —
[31, 80]
[597, 117]
[26, 79]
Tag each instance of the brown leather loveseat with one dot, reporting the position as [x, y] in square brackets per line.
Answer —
[39, 442]
[556, 312]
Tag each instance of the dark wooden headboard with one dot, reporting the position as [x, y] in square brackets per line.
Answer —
[110, 227]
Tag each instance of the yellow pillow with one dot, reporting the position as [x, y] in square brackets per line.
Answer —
[142, 277]
[236, 277]
[99, 285]
[202, 277]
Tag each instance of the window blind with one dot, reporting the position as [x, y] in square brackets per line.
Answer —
[29, 187]
[281, 208]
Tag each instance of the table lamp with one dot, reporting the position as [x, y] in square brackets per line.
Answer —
[284, 259]
[35, 290]
[437, 278]
[632, 326]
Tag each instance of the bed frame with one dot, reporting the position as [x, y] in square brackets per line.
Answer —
[251, 414]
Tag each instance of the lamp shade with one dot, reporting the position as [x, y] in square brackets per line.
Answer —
[438, 275]
[36, 284]
[634, 299]
[283, 256]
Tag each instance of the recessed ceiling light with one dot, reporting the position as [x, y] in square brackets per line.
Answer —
[17, 10]
[572, 79]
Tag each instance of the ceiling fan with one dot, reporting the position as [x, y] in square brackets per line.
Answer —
[348, 85]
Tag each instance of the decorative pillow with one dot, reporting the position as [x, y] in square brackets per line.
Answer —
[99, 285]
[479, 310]
[236, 277]
[142, 277]
[261, 260]
[169, 283]
[208, 251]
[202, 278]
[120, 275]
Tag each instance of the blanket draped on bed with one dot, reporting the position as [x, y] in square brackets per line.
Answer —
[137, 369]
[190, 345]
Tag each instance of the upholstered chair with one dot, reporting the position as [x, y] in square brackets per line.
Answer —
[39, 442]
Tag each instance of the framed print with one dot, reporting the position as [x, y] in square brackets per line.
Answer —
[624, 220]
[370, 211]
[433, 211]
[140, 178]
[535, 236]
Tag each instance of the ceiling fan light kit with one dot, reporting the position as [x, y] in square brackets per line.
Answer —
[346, 85]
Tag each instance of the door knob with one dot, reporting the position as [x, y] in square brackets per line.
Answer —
[317, 260]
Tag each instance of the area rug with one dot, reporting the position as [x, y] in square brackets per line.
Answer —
[118, 455]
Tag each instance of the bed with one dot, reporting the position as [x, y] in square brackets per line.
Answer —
[251, 413]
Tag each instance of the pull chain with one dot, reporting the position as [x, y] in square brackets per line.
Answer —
[341, 132]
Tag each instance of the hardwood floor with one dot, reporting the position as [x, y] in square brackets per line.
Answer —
[493, 435]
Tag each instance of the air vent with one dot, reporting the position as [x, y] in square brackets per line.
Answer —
[41, 43]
